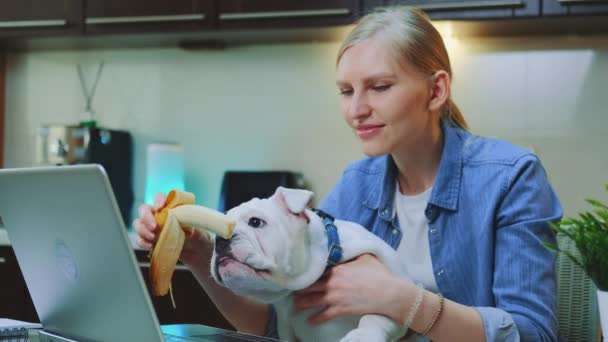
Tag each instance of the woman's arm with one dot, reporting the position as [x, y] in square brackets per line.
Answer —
[524, 282]
[365, 286]
[456, 322]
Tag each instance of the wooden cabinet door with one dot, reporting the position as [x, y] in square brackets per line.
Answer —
[286, 13]
[40, 17]
[12, 293]
[574, 7]
[29, 313]
[470, 9]
[132, 16]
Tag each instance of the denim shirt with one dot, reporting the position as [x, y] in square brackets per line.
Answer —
[488, 214]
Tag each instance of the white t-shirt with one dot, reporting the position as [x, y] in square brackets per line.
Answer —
[414, 248]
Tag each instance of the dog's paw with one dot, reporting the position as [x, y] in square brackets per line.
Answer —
[363, 335]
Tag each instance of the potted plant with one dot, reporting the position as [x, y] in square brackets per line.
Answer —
[589, 232]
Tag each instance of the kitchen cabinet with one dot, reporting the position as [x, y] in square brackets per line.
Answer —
[15, 300]
[467, 9]
[574, 7]
[286, 13]
[40, 18]
[12, 295]
[52, 24]
[2, 105]
[136, 16]
[192, 305]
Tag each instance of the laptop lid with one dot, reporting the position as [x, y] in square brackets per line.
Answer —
[67, 233]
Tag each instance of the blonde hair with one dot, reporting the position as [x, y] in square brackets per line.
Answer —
[412, 39]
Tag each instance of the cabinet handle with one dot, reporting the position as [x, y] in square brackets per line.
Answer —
[143, 19]
[177, 267]
[285, 14]
[471, 5]
[33, 23]
[2, 260]
[575, 2]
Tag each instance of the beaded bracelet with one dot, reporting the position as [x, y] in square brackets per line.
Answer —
[436, 318]
[414, 309]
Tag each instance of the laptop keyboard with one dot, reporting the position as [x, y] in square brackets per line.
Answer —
[173, 338]
[226, 336]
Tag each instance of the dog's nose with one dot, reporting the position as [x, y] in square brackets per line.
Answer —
[221, 245]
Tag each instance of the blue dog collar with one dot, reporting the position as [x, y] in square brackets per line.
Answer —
[333, 239]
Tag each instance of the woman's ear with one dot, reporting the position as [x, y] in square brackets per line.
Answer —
[440, 90]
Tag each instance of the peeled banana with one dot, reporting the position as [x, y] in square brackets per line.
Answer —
[165, 255]
[174, 198]
[177, 217]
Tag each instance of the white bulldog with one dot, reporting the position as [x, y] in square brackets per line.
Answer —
[279, 247]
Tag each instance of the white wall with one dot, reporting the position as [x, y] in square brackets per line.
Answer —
[275, 106]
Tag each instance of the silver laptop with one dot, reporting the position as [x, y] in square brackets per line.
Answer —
[77, 260]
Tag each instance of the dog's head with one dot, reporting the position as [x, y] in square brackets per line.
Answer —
[269, 247]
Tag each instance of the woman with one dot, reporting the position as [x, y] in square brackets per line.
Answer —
[468, 215]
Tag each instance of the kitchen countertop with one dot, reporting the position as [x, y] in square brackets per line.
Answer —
[4, 241]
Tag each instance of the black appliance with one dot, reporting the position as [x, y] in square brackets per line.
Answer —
[241, 186]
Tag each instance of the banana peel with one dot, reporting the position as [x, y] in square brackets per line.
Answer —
[177, 218]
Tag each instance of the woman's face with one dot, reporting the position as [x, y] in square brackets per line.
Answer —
[383, 101]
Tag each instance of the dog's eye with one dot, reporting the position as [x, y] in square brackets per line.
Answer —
[256, 222]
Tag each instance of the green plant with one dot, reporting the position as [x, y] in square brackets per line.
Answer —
[589, 231]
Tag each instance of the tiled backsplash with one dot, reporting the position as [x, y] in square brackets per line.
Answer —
[276, 106]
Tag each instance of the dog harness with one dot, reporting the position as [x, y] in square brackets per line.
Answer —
[333, 239]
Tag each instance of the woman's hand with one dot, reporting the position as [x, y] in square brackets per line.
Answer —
[362, 286]
[197, 247]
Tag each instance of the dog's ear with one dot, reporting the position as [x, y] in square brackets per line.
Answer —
[294, 200]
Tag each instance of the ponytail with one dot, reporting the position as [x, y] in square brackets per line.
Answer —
[454, 115]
